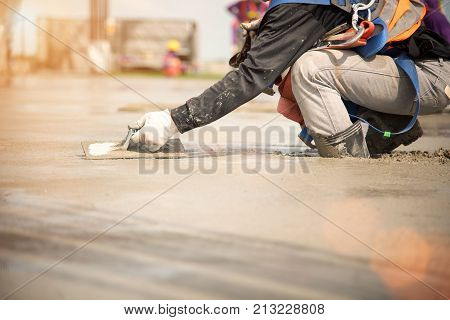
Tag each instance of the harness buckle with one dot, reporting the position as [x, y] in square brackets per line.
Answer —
[357, 7]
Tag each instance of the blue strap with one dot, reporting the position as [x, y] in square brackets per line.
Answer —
[275, 3]
[404, 62]
[409, 67]
[305, 136]
[376, 43]
[374, 46]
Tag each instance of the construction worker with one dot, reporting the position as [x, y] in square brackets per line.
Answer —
[322, 80]
[172, 64]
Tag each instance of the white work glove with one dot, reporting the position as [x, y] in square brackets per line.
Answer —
[154, 130]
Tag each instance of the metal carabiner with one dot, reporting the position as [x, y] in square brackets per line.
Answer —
[361, 7]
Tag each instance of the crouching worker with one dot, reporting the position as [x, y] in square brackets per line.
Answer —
[324, 81]
[385, 90]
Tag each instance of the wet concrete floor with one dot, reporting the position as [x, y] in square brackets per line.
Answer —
[243, 226]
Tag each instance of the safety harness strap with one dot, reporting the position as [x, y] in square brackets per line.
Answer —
[409, 67]
[377, 42]
[404, 62]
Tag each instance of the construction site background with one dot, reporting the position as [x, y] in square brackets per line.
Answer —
[77, 44]
[130, 44]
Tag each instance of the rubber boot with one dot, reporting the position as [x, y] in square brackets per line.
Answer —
[348, 143]
[377, 143]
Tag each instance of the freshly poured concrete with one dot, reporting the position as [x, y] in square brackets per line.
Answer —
[239, 226]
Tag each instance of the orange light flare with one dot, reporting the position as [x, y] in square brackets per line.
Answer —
[418, 263]
[425, 258]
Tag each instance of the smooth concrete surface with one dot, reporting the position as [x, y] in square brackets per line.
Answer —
[244, 226]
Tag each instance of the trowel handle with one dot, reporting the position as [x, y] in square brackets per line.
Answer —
[126, 143]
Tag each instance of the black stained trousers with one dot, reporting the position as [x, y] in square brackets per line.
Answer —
[286, 32]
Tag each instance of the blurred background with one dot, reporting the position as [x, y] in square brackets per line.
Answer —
[172, 36]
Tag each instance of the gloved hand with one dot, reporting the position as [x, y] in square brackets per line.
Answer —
[154, 130]
[250, 26]
[249, 32]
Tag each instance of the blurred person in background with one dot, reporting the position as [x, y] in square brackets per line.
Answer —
[172, 64]
[435, 19]
[244, 11]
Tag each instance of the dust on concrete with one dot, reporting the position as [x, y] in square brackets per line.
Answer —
[441, 156]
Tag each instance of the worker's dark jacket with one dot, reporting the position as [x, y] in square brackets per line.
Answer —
[287, 31]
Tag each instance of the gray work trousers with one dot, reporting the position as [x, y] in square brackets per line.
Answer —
[321, 79]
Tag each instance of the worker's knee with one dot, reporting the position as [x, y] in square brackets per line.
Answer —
[307, 68]
[315, 66]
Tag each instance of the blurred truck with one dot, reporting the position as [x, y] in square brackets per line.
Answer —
[135, 44]
[142, 44]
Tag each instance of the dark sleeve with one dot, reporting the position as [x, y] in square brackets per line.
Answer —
[286, 32]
